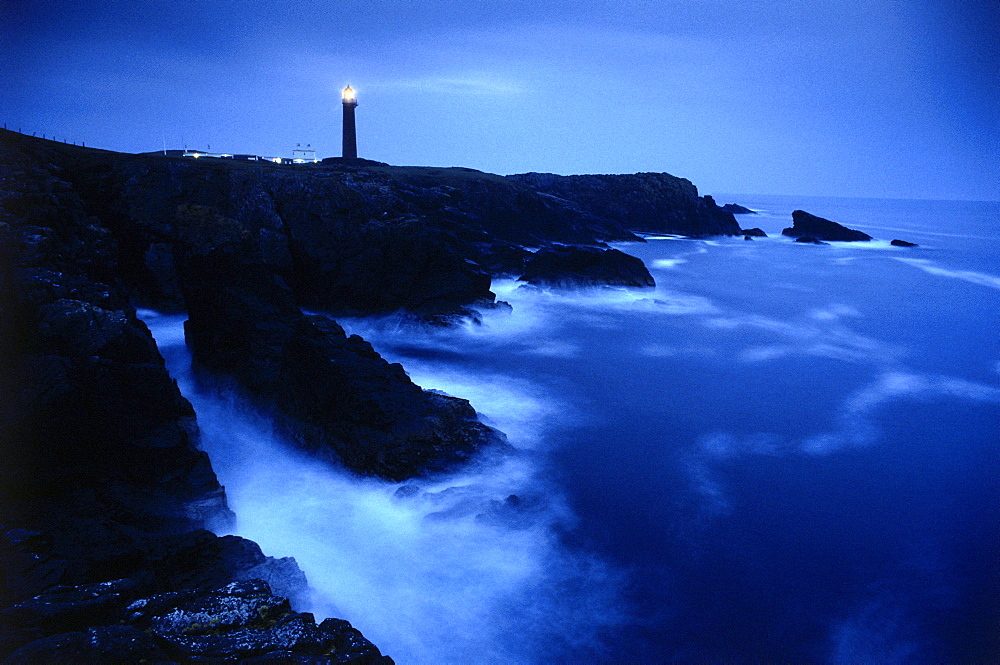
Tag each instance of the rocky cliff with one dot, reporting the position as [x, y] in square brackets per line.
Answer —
[650, 202]
[105, 497]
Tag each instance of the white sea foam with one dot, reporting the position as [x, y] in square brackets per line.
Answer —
[971, 276]
[668, 264]
[446, 570]
[864, 244]
[855, 419]
[820, 334]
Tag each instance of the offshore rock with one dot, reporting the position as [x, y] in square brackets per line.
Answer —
[737, 209]
[805, 224]
[903, 243]
[809, 240]
[564, 266]
[650, 202]
[753, 233]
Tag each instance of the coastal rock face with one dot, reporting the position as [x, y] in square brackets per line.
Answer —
[357, 237]
[332, 393]
[90, 416]
[121, 621]
[805, 224]
[104, 494]
[651, 202]
[563, 266]
[348, 238]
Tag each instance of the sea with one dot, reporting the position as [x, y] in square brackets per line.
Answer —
[782, 453]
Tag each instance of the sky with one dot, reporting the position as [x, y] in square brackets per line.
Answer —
[865, 98]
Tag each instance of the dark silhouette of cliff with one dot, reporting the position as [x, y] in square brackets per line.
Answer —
[104, 496]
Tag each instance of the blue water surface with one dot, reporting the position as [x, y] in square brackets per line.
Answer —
[791, 450]
[783, 453]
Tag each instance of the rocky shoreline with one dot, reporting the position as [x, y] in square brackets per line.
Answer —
[106, 502]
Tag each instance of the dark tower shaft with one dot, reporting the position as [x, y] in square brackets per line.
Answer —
[350, 132]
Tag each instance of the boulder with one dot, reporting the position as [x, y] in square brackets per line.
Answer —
[753, 233]
[567, 266]
[809, 240]
[805, 224]
[903, 243]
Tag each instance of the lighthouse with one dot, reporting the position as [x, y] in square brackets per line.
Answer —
[350, 133]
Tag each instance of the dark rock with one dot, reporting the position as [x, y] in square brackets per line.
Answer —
[95, 646]
[754, 233]
[810, 240]
[238, 620]
[103, 491]
[903, 243]
[565, 266]
[737, 209]
[350, 162]
[90, 421]
[102, 478]
[243, 620]
[62, 609]
[805, 224]
[332, 393]
[355, 236]
[653, 202]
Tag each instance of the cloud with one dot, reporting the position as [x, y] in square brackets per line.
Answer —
[477, 85]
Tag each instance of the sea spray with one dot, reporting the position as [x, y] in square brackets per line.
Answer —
[469, 567]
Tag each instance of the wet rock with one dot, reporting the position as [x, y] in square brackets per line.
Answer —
[243, 620]
[332, 394]
[809, 240]
[103, 491]
[903, 243]
[62, 608]
[651, 202]
[753, 233]
[737, 209]
[239, 620]
[807, 225]
[237, 605]
[95, 646]
[567, 266]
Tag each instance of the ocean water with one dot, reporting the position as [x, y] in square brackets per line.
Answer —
[782, 453]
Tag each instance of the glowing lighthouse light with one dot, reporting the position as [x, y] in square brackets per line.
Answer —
[350, 133]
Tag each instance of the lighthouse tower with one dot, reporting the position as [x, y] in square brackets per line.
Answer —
[350, 133]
